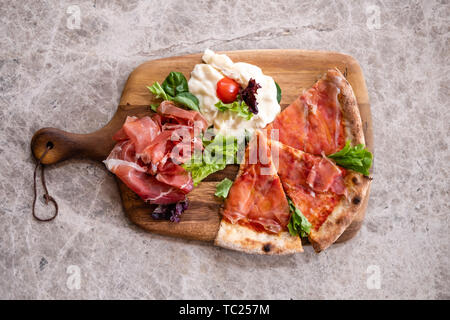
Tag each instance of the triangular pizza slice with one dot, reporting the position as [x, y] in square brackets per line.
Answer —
[327, 195]
[256, 211]
[323, 118]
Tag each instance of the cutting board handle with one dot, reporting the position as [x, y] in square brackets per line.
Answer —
[95, 146]
[64, 145]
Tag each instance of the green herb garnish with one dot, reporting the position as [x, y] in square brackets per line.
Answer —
[217, 154]
[158, 91]
[223, 187]
[175, 83]
[298, 224]
[239, 107]
[187, 99]
[199, 169]
[355, 158]
[278, 93]
[175, 88]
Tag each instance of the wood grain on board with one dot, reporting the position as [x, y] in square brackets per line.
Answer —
[293, 70]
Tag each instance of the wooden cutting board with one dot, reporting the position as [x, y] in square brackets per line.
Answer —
[293, 70]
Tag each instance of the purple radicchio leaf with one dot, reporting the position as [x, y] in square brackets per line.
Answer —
[249, 95]
[171, 211]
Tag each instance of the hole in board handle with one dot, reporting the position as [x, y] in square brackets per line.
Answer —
[50, 145]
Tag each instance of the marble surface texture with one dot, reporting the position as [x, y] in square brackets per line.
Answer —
[64, 63]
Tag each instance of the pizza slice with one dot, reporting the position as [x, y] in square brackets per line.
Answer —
[328, 195]
[324, 121]
[323, 118]
[256, 211]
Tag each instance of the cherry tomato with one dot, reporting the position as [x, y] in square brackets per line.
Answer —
[227, 90]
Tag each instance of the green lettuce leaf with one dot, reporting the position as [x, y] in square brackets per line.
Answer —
[355, 158]
[221, 149]
[239, 107]
[223, 187]
[215, 157]
[298, 224]
[201, 170]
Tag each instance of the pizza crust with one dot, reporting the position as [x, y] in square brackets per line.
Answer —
[242, 238]
[343, 214]
[349, 106]
[357, 184]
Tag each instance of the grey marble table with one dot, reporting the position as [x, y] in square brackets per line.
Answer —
[64, 64]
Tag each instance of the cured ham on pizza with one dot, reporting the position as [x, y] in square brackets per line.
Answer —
[256, 212]
[323, 118]
[328, 196]
[316, 126]
[320, 122]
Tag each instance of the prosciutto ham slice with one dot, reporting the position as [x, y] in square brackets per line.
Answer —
[140, 131]
[313, 183]
[313, 122]
[156, 150]
[121, 135]
[177, 143]
[145, 185]
[168, 110]
[256, 198]
[143, 157]
[324, 176]
[175, 175]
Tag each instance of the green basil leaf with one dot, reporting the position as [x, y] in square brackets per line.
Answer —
[223, 187]
[187, 99]
[239, 107]
[175, 83]
[158, 91]
[356, 158]
[298, 224]
[278, 93]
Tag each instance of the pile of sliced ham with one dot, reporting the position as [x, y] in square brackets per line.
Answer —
[150, 150]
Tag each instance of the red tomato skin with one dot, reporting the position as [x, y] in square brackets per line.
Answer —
[227, 90]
